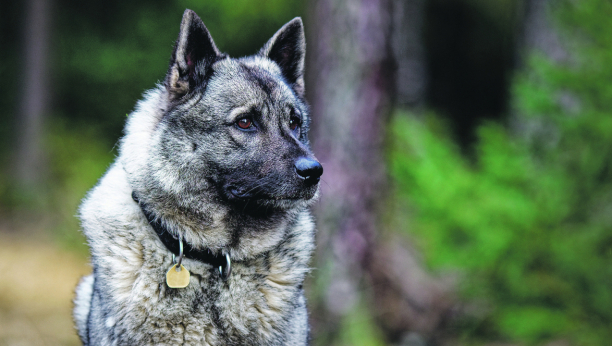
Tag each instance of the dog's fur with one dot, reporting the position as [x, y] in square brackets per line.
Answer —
[222, 188]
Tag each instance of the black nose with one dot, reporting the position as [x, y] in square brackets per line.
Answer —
[309, 169]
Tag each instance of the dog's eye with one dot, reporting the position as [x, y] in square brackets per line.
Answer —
[245, 123]
[294, 122]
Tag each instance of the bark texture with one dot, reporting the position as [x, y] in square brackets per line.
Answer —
[409, 52]
[29, 162]
[540, 35]
[352, 88]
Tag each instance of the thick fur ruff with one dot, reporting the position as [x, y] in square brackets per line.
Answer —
[220, 187]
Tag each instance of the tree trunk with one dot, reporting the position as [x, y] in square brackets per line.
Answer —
[29, 161]
[540, 35]
[352, 87]
[409, 52]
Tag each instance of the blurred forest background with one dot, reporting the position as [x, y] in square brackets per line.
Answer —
[467, 147]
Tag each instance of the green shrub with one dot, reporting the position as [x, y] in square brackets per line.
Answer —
[530, 223]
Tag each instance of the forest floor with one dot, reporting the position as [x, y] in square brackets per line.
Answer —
[37, 281]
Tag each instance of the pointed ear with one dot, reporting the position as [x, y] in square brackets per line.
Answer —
[287, 48]
[194, 53]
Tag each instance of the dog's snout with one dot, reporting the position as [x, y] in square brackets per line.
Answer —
[309, 169]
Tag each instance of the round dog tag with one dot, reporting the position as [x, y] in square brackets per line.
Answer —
[177, 279]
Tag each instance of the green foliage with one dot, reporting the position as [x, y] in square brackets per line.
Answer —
[530, 223]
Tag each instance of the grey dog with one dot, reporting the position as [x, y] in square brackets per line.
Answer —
[214, 179]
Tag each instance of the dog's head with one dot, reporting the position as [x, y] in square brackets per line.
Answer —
[240, 125]
[230, 134]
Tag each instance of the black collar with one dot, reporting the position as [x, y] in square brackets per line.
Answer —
[222, 262]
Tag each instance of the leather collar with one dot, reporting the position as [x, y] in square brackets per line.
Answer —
[222, 262]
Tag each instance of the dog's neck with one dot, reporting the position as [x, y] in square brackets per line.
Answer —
[217, 261]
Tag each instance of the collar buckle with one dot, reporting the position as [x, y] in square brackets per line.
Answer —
[223, 263]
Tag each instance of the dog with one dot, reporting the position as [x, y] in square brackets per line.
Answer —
[200, 232]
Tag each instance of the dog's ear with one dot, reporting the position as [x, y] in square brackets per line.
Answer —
[287, 48]
[193, 55]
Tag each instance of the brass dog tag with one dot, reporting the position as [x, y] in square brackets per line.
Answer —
[177, 279]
